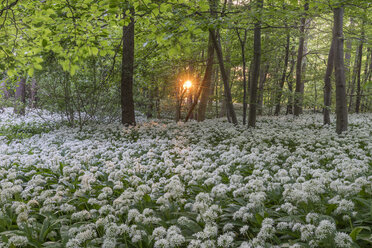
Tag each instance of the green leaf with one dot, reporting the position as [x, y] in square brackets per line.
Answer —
[38, 66]
[30, 72]
[94, 51]
[354, 233]
[44, 43]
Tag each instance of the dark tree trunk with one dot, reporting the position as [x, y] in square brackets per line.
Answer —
[360, 56]
[20, 97]
[206, 83]
[289, 80]
[299, 83]
[263, 76]
[228, 98]
[256, 70]
[242, 46]
[328, 84]
[282, 79]
[127, 102]
[341, 105]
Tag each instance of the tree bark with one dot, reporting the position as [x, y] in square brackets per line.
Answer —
[207, 80]
[282, 79]
[20, 97]
[33, 94]
[4, 89]
[289, 79]
[299, 83]
[256, 69]
[242, 46]
[127, 102]
[360, 56]
[262, 79]
[341, 105]
[228, 98]
[328, 84]
[353, 79]
[348, 59]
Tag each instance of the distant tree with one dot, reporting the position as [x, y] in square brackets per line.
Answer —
[328, 84]
[341, 105]
[298, 101]
[20, 97]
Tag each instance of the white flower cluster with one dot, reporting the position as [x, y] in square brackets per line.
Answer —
[187, 184]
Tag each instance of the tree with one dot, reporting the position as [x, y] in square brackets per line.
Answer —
[359, 68]
[242, 47]
[328, 84]
[127, 102]
[300, 54]
[341, 105]
[20, 97]
[255, 69]
[229, 103]
[207, 80]
[284, 73]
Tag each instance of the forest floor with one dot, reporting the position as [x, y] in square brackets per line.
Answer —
[291, 182]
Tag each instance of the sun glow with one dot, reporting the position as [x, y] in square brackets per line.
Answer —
[187, 84]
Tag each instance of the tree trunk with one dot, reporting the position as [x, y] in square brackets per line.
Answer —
[242, 46]
[20, 97]
[299, 83]
[127, 102]
[229, 104]
[348, 58]
[289, 79]
[328, 84]
[360, 56]
[262, 79]
[341, 105]
[4, 89]
[256, 69]
[353, 79]
[33, 93]
[282, 79]
[206, 84]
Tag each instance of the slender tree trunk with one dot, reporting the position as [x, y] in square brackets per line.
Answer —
[289, 79]
[360, 56]
[127, 102]
[284, 73]
[348, 59]
[20, 97]
[4, 89]
[262, 80]
[367, 72]
[256, 69]
[341, 105]
[328, 84]
[299, 82]
[353, 79]
[242, 46]
[229, 104]
[33, 93]
[206, 84]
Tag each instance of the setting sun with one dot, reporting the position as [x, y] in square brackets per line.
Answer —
[187, 84]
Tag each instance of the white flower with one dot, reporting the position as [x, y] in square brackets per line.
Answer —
[343, 240]
[226, 240]
[325, 229]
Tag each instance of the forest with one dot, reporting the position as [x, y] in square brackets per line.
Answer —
[186, 123]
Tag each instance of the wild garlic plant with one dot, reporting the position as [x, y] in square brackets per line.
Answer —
[287, 183]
